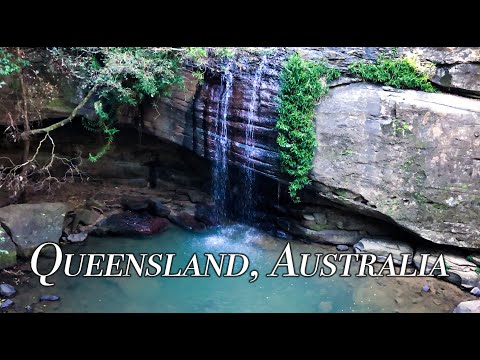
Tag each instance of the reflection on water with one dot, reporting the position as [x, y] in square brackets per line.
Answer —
[227, 294]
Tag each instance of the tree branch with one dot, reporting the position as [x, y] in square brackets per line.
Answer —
[26, 134]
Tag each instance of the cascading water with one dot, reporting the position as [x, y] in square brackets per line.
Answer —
[249, 181]
[222, 144]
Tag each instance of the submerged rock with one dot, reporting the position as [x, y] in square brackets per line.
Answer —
[31, 225]
[187, 221]
[7, 290]
[6, 304]
[49, 298]
[77, 237]
[342, 248]
[129, 223]
[426, 288]
[8, 250]
[29, 309]
[384, 247]
[467, 307]
[460, 271]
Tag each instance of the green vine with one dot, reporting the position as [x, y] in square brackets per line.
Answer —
[110, 134]
[302, 87]
[398, 72]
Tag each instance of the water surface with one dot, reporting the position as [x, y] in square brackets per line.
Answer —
[214, 294]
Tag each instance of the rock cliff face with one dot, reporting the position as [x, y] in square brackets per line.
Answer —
[408, 155]
[190, 116]
[405, 157]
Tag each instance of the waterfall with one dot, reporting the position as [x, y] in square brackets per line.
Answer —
[249, 181]
[222, 144]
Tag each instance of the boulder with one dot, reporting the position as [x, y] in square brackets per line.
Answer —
[196, 196]
[5, 304]
[461, 271]
[8, 251]
[342, 248]
[411, 159]
[130, 224]
[467, 307]
[384, 247]
[186, 221]
[135, 203]
[85, 217]
[31, 225]
[475, 291]
[157, 208]
[461, 78]
[7, 290]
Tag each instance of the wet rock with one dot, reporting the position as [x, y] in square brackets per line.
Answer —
[187, 221]
[135, 203]
[7, 290]
[33, 224]
[85, 217]
[467, 307]
[460, 271]
[129, 223]
[77, 237]
[157, 208]
[475, 291]
[49, 298]
[8, 250]
[206, 214]
[342, 247]
[334, 237]
[196, 196]
[384, 247]
[426, 288]
[6, 304]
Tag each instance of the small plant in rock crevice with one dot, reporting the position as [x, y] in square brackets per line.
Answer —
[403, 72]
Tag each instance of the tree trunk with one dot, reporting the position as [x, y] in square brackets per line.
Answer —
[21, 196]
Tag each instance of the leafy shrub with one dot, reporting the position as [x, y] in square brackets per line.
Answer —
[401, 73]
[301, 89]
